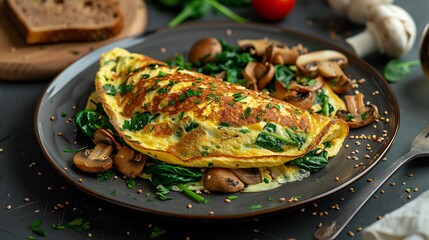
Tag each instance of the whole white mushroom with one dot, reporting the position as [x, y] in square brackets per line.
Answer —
[358, 9]
[340, 7]
[390, 30]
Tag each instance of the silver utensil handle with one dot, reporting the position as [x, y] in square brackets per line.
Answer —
[332, 229]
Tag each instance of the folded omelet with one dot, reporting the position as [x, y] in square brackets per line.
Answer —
[190, 119]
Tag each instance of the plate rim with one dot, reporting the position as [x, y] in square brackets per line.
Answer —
[131, 41]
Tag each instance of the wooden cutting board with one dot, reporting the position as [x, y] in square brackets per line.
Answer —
[22, 62]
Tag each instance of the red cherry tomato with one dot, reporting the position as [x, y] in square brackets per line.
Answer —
[273, 10]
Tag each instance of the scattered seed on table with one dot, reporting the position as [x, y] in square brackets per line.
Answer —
[211, 212]
[379, 217]
[416, 190]
[8, 207]
[351, 234]
[382, 191]
[392, 184]
[189, 205]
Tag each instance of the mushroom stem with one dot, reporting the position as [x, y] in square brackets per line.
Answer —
[363, 43]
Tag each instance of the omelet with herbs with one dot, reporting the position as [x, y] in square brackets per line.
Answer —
[186, 118]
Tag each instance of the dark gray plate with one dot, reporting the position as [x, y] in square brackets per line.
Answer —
[73, 86]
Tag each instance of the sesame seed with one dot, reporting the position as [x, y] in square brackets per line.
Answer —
[26, 199]
[392, 184]
[80, 180]
[359, 229]
[211, 212]
[52, 118]
[89, 234]
[408, 190]
[302, 209]
[410, 174]
[139, 191]
[228, 32]
[189, 205]
[369, 180]
[351, 189]
[337, 179]
[8, 207]
[382, 191]
[227, 200]
[163, 50]
[282, 199]
[409, 197]
[416, 190]
[59, 133]
[351, 234]
[379, 217]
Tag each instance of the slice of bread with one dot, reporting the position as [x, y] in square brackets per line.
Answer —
[51, 21]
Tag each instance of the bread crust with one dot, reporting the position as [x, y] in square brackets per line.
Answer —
[66, 34]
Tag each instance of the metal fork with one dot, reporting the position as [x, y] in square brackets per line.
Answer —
[419, 148]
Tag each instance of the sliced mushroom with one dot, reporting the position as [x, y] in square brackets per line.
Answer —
[249, 176]
[254, 46]
[129, 163]
[104, 136]
[205, 50]
[258, 74]
[276, 54]
[317, 84]
[328, 64]
[304, 100]
[341, 85]
[94, 160]
[222, 180]
[358, 114]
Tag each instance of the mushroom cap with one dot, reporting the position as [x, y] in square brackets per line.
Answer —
[95, 160]
[358, 114]
[249, 176]
[129, 163]
[222, 180]
[357, 10]
[276, 54]
[104, 136]
[392, 28]
[371, 113]
[205, 50]
[256, 46]
[308, 63]
[339, 6]
[258, 74]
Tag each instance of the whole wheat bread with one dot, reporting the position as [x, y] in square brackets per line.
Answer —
[49, 21]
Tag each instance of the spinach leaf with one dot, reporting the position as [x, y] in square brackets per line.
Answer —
[284, 75]
[397, 70]
[89, 120]
[271, 140]
[139, 121]
[111, 90]
[312, 161]
[168, 175]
